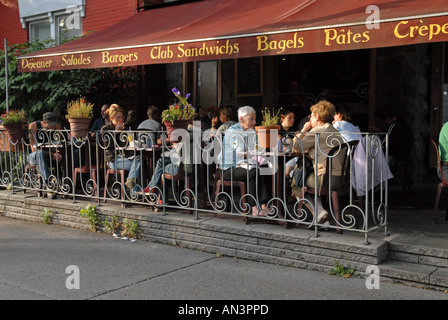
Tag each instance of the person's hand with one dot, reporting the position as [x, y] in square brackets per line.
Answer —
[120, 126]
[306, 126]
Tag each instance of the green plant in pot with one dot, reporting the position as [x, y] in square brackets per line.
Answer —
[13, 122]
[79, 115]
[269, 125]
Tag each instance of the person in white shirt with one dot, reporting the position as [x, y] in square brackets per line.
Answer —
[343, 123]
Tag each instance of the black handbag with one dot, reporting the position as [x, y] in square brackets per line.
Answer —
[303, 167]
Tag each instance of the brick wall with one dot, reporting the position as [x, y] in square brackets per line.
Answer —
[99, 14]
[10, 26]
[103, 13]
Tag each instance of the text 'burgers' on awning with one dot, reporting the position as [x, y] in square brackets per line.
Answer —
[229, 29]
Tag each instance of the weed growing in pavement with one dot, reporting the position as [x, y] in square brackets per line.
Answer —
[47, 215]
[130, 228]
[341, 271]
[92, 216]
[112, 225]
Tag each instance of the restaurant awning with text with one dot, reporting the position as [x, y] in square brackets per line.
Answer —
[230, 29]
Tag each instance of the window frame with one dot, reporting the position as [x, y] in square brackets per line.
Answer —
[53, 18]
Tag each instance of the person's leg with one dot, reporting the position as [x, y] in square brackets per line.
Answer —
[121, 163]
[241, 174]
[158, 171]
[310, 182]
[134, 173]
[319, 208]
[38, 158]
[172, 169]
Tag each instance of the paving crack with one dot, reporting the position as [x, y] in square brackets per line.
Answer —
[149, 278]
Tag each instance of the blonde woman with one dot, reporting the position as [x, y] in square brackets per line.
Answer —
[114, 158]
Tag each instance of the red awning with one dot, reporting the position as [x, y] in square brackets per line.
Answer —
[228, 29]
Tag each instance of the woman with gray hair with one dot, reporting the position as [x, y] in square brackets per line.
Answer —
[238, 140]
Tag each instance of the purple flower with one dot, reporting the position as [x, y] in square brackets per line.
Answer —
[187, 96]
[175, 91]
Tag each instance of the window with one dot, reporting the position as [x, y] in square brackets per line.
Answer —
[68, 26]
[40, 30]
[59, 19]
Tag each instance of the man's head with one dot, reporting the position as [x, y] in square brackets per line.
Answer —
[50, 120]
[103, 111]
[153, 113]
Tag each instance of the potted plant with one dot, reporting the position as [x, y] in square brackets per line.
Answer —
[180, 115]
[270, 122]
[13, 122]
[79, 115]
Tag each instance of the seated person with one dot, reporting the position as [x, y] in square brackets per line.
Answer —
[101, 122]
[170, 163]
[115, 158]
[43, 158]
[287, 129]
[343, 123]
[238, 139]
[131, 120]
[322, 115]
[227, 117]
[151, 124]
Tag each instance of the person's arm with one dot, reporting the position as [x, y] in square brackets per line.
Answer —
[306, 127]
[215, 122]
[32, 132]
[305, 140]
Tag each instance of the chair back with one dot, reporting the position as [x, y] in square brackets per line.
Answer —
[435, 142]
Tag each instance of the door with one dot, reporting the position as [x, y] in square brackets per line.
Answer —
[207, 84]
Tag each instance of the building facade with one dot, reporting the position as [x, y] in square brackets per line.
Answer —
[410, 80]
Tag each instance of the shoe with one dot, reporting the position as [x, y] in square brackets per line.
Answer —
[130, 183]
[325, 226]
[320, 218]
[257, 213]
[51, 195]
[147, 191]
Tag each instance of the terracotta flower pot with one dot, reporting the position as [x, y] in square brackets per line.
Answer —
[79, 127]
[178, 124]
[264, 135]
[14, 130]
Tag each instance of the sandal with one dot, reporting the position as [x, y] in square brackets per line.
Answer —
[261, 213]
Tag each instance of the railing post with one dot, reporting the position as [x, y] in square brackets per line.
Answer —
[386, 197]
[6, 75]
[316, 181]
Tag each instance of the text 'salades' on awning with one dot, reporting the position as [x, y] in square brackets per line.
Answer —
[230, 29]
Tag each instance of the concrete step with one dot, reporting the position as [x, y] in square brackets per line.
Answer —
[429, 249]
[415, 274]
[266, 243]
